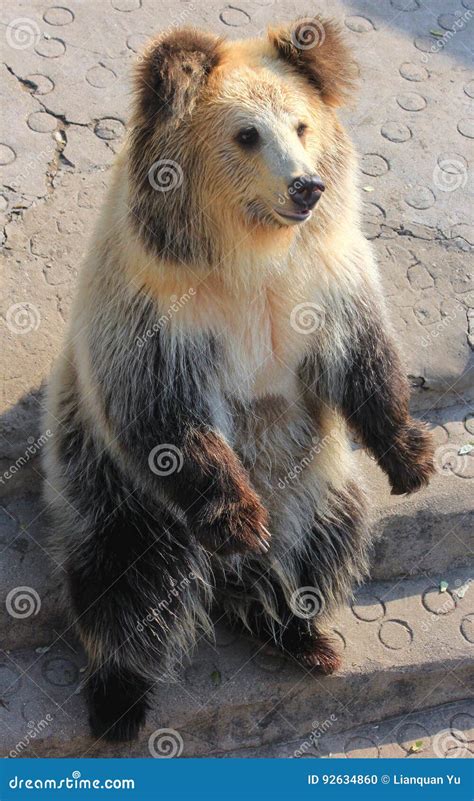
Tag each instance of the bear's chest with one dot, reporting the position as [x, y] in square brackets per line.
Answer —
[264, 343]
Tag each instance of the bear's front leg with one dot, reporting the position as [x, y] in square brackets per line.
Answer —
[166, 435]
[375, 401]
[208, 483]
[365, 380]
[224, 512]
[408, 458]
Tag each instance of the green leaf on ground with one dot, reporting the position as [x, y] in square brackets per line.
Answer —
[216, 677]
[415, 747]
[465, 449]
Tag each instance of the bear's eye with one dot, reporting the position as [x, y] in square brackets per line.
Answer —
[248, 137]
[301, 128]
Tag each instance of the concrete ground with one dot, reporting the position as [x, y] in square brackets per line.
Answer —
[406, 688]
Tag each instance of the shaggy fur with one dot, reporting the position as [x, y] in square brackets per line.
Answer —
[201, 453]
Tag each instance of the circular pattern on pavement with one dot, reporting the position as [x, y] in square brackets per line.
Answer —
[137, 41]
[395, 634]
[100, 76]
[60, 672]
[438, 603]
[42, 122]
[359, 24]
[405, 5]
[233, 16]
[50, 48]
[58, 15]
[109, 128]
[467, 628]
[126, 5]
[360, 746]
[466, 127]
[420, 197]
[413, 72]
[408, 733]
[447, 20]
[368, 607]
[7, 154]
[464, 722]
[411, 101]
[395, 132]
[374, 165]
[41, 83]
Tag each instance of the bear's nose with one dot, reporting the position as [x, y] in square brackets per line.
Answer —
[306, 190]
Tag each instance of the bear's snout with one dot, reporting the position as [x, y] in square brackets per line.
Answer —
[305, 191]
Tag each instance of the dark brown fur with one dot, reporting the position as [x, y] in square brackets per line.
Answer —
[327, 65]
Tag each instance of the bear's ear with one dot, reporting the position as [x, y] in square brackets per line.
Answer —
[172, 70]
[315, 47]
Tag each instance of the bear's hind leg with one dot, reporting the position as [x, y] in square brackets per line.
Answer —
[118, 702]
[310, 646]
[290, 602]
[297, 637]
[138, 609]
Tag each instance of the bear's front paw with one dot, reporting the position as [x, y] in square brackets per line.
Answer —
[233, 527]
[409, 460]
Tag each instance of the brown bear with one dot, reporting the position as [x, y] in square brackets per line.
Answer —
[228, 332]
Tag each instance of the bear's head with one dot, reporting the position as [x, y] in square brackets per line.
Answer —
[238, 142]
